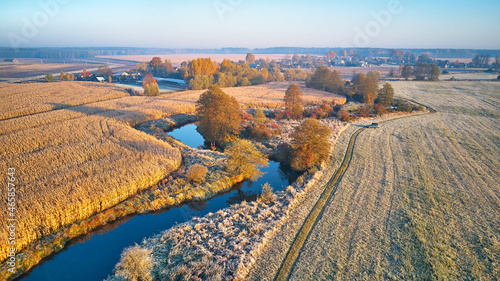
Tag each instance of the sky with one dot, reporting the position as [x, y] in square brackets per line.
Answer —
[251, 23]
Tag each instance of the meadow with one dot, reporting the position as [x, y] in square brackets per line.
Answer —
[419, 200]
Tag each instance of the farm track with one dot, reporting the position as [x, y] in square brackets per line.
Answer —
[315, 215]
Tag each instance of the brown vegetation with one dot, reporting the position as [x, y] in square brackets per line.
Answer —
[197, 173]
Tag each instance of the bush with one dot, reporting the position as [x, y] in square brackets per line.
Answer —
[259, 132]
[135, 264]
[259, 117]
[267, 195]
[49, 78]
[197, 173]
[151, 89]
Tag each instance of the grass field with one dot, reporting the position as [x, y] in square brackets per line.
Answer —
[267, 95]
[80, 159]
[419, 201]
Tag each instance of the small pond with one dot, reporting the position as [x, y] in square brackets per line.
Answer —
[93, 256]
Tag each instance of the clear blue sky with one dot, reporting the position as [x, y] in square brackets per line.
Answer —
[250, 23]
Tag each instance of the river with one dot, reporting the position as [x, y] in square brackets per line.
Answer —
[93, 256]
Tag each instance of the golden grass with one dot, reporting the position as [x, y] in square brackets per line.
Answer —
[419, 201]
[74, 162]
[267, 95]
[23, 99]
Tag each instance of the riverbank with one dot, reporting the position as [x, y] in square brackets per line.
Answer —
[225, 244]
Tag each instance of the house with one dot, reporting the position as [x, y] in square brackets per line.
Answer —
[100, 79]
[125, 74]
[11, 60]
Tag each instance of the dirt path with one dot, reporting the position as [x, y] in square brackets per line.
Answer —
[318, 209]
[420, 200]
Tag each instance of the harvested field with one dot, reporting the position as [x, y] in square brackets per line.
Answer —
[420, 199]
[24, 99]
[73, 162]
[267, 95]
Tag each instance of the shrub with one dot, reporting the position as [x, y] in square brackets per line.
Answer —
[379, 109]
[197, 173]
[259, 132]
[267, 195]
[135, 264]
[244, 159]
[151, 89]
[259, 117]
[49, 78]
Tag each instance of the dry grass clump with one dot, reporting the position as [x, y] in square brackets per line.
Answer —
[135, 265]
[196, 173]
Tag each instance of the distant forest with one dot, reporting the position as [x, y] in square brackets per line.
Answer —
[85, 53]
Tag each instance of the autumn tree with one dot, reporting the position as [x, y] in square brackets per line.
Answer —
[259, 117]
[151, 89]
[49, 78]
[250, 59]
[168, 66]
[331, 55]
[245, 159]
[265, 73]
[104, 70]
[148, 78]
[406, 72]
[200, 82]
[61, 76]
[226, 65]
[421, 71]
[386, 95]
[67, 77]
[219, 116]
[84, 74]
[72, 77]
[365, 88]
[310, 145]
[296, 59]
[434, 72]
[326, 80]
[203, 66]
[396, 54]
[156, 65]
[293, 101]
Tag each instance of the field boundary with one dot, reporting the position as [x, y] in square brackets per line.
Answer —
[311, 220]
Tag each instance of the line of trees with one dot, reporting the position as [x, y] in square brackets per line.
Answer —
[421, 71]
